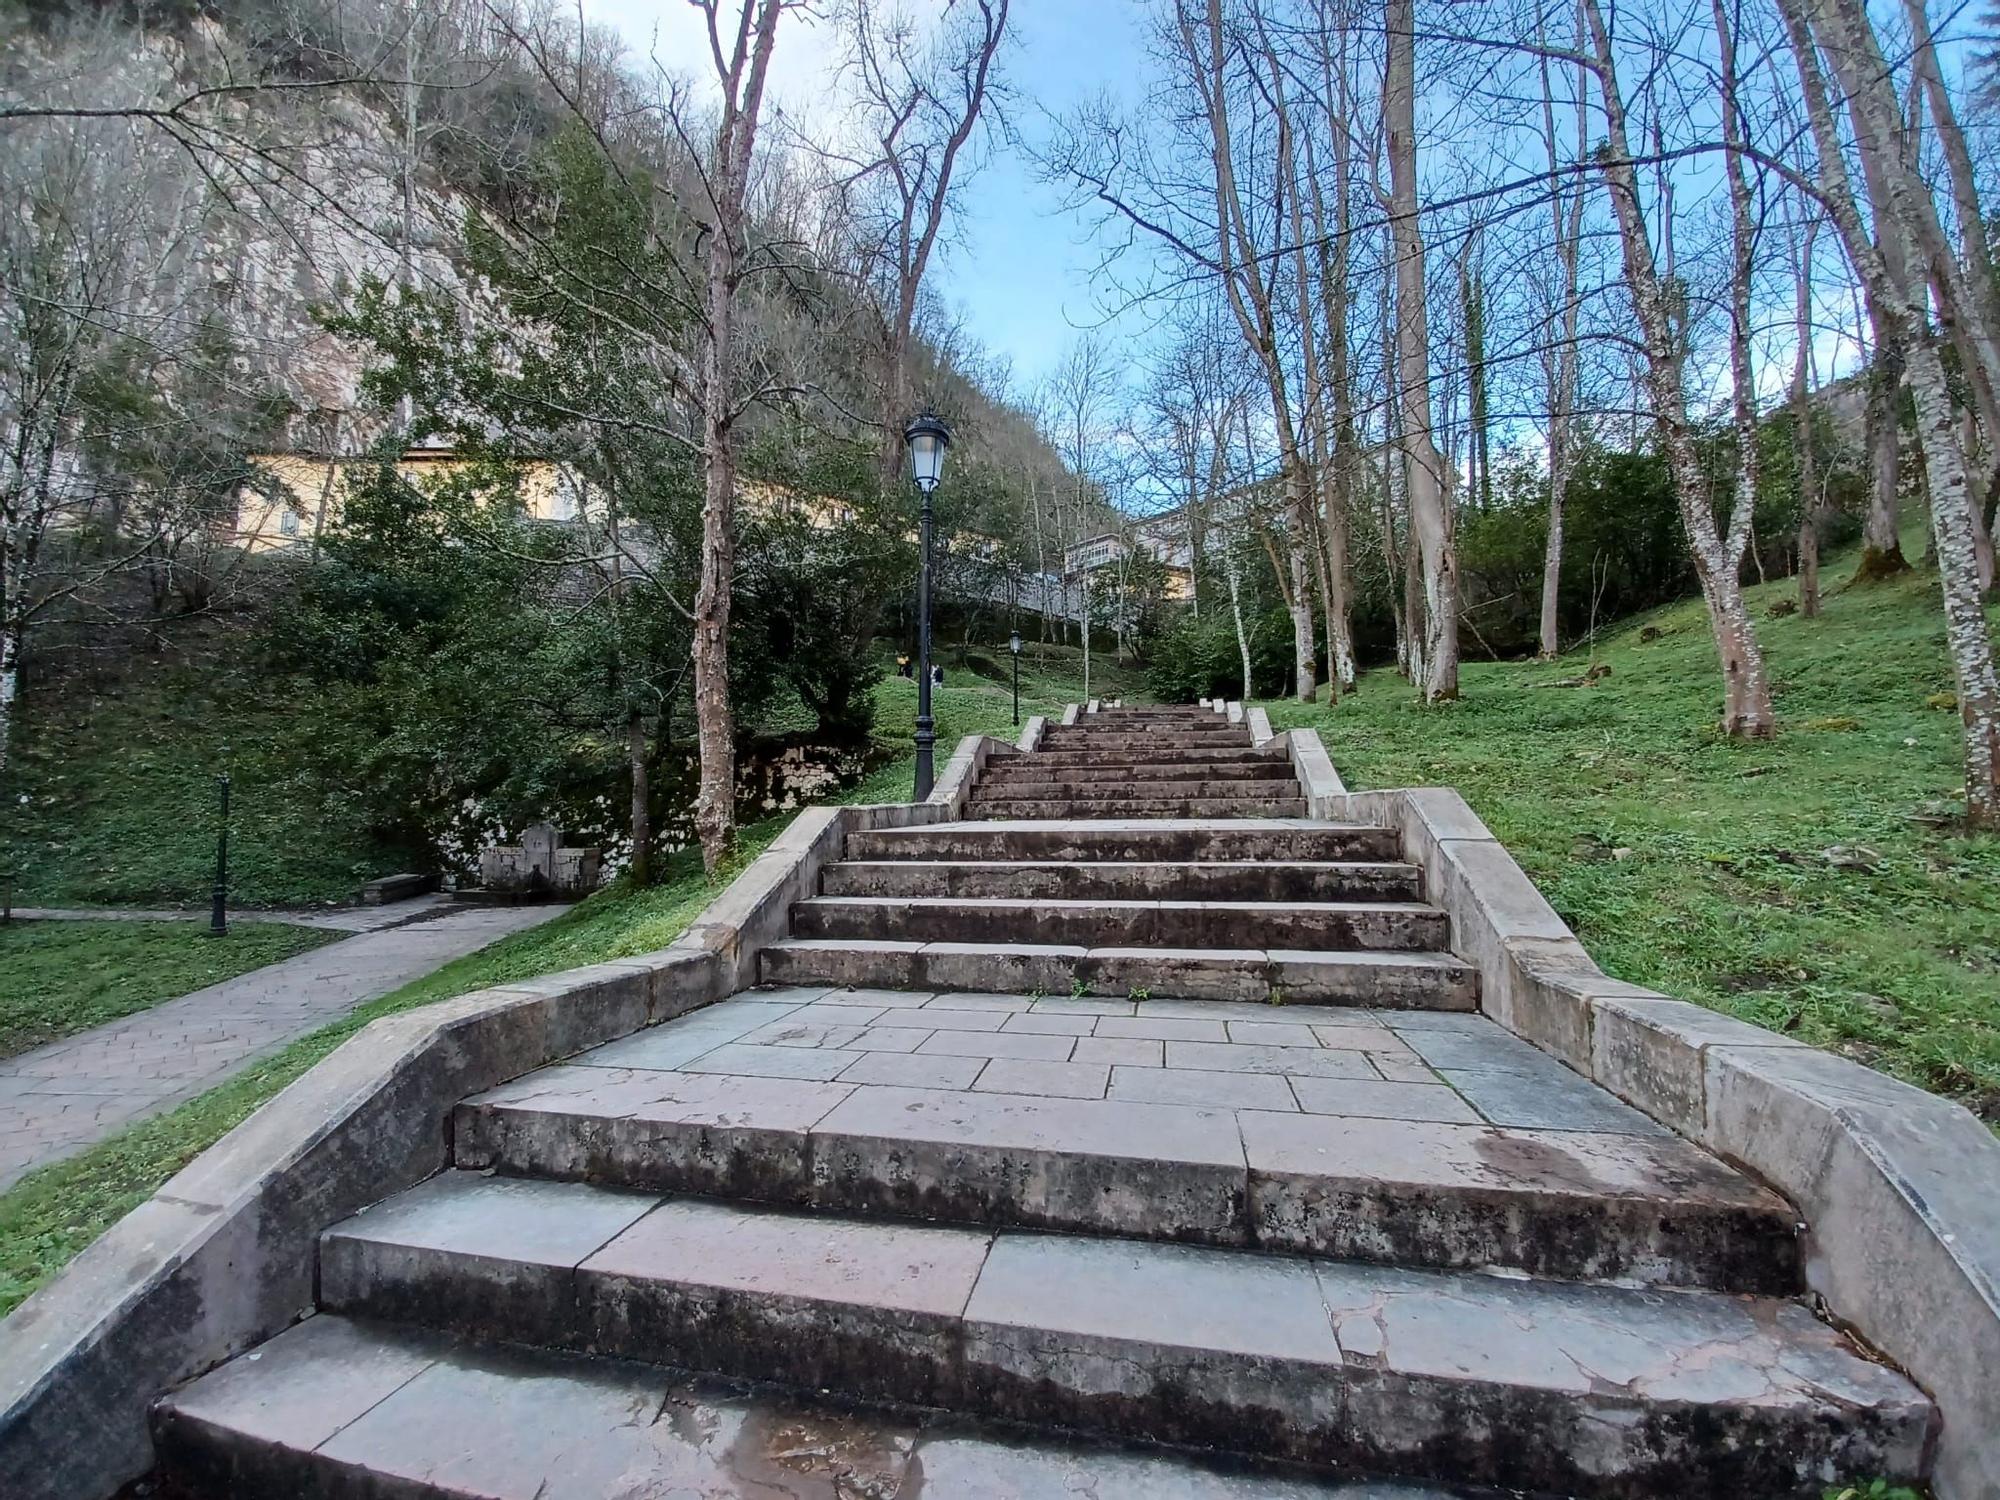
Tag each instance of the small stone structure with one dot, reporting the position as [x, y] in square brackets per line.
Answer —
[540, 862]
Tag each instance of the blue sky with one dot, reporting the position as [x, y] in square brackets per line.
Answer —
[1021, 274]
[1018, 272]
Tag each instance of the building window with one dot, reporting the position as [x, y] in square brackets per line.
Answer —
[288, 521]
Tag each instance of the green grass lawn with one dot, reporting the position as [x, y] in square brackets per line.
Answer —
[1811, 883]
[59, 978]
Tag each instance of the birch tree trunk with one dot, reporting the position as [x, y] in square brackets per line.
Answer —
[1391, 493]
[1430, 513]
[1746, 690]
[1232, 570]
[1562, 369]
[1808, 458]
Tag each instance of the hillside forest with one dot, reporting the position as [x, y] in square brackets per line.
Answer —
[1462, 333]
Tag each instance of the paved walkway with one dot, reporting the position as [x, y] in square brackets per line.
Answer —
[60, 1098]
[331, 918]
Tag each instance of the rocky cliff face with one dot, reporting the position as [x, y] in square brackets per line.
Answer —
[244, 216]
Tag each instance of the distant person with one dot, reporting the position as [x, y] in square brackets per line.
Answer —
[937, 676]
[902, 666]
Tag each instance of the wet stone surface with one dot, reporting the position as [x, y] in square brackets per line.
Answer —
[386, 1407]
[1308, 1359]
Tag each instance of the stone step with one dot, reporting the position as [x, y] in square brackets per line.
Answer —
[1164, 839]
[1152, 807]
[1083, 880]
[1250, 767]
[1402, 926]
[1161, 742]
[1205, 755]
[1110, 717]
[1398, 981]
[338, 1408]
[1413, 1190]
[1595, 1391]
[1129, 789]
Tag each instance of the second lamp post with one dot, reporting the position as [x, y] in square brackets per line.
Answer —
[928, 438]
[1014, 646]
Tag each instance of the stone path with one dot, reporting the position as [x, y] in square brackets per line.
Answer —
[333, 918]
[62, 1097]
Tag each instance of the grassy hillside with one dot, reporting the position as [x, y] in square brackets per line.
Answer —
[1812, 883]
[110, 799]
[111, 796]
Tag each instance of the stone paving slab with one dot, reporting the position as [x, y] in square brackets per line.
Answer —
[336, 1404]
[57, 1099]
[1153, 1119]
[1539, 1383]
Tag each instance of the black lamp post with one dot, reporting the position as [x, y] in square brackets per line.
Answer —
[928, 438]
[218, 910]
[1014, 645]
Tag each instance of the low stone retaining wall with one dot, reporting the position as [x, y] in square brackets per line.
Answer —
[222, 1257]
[1900, 1190]
[1319, 783]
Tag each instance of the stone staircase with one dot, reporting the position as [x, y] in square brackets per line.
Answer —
[1075, 878]
[1141, 763]
[1000, 1141]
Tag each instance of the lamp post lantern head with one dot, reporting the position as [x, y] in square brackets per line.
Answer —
[1014, 643]
[928, 438]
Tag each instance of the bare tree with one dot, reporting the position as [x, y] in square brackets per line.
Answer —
[1717, 557]
[1077, 405]
[1810, 492]
[741, 55]
[921, 98]
[1434, 642]
[1340, 484]
[111, 380]
[1248, 272]
[1812, 26]
[1561, 354]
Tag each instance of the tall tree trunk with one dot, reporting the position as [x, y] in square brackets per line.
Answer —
[1233, 571]
[1808, 458]
[13, 634]
[1848, 38]
[1808, 24]
[1717, 559]
[1430, 512]
[1562, 368]
[745, 70]
[1338, 480]
[1249, 297]
[1391, 494]
[1472, 293]
[1881, 530]
[640, 866]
